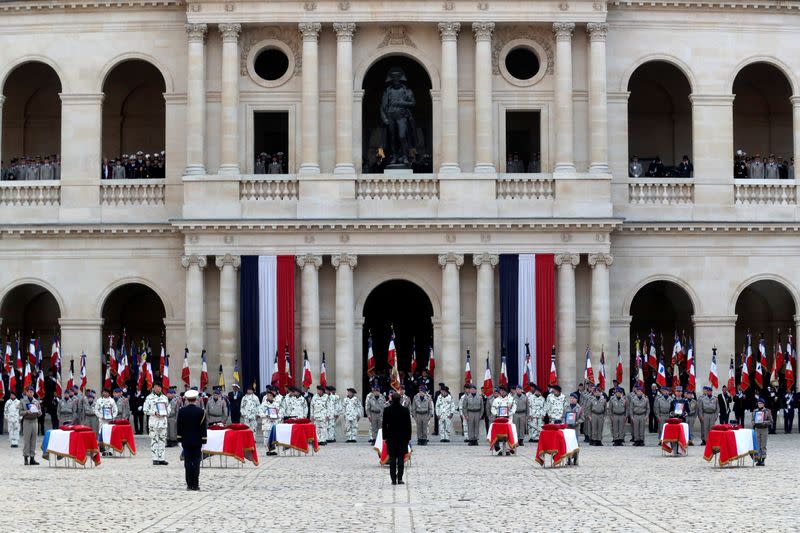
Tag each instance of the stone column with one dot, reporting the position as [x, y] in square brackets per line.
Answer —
[309, 121]
[344, 97]
[228, 302]
[566, 349]
[229, 153]
[712, 150]
[82, 335]
[449, 95]
[710, 331]
[598, 112]
[196, 99]
[195, 308]
[345, 354]
[600, 317]
[795, 131]
[565, 158]
[81, 127]
[451, 318]
[484, 305]
[309, 309]
[484, 138]
[2, 101]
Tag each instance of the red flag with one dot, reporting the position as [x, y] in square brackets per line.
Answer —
[488, 386]
[661, 377]
[165, 374]
[619, 364]
[55, 357]
[123, 371]
[503, 372]
[639, 362]
[323, 373]
[185, 372]
[676, 377]
[527, 376]
[27, 380]
[203, 371]
[744, 379]
[713, 373]
[392, 355]
[59, 391]
[370, 358]
[601, 374]
[588, 373]
[651, 351]
[761, 362]
[779, 361]
[275, 380]
[789, 374]
[40, 384]
[692, 382]
[431, 362]
[84, 382]
[306, 370]
[32, 353]
[112, 357]
[107, 380]
[3, 388]
[467, 370]
[553, 374]
[162, 362]
[7, 364]
[71, 379]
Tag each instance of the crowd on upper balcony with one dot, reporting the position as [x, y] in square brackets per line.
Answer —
[31, 168]
[271, 164]
[756, 167]
[657, 169]
[138, 166]
[517, 164]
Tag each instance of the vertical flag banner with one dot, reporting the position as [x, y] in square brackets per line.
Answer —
[713, 373]
[527, 313]
[467, 370]
[266, 314]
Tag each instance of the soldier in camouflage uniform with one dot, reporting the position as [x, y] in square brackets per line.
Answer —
[520, 413]
[555, 405]
[373, 408]
[445, 410]
[708, 408]
[249, 410]
[67, 410]
[319, 414]
[89, 416]
[504, 406]
[175, 404]
[123, 405]
[157, 423]
[105, 409]
[270, 413]
[295, 406]
[639, 413]
[334, 412]
[78, 396]
[421, 412]
[618, 409]
[597, 414]
[472, 408]
[351, 406]
[217, 408]
[586, 402]
[536, 404]
[11, 413]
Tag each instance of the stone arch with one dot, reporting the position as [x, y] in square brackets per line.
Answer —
[41, 283]
[788, 285]
[13, 65]
[101, 301]
[166, 75]
[666, 58]
[770, 60]
[397, 50]
[363, 295]
[693, 298]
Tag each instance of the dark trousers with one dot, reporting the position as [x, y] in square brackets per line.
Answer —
[772, 428]
[53, 418]
[396, 467]
[191, 464]
[652, 423]
[138, 422]
[788, 420]
[2, 415]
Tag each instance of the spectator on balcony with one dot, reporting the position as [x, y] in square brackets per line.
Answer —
[118, 170]
[771, 169]
[514, 164]
[756, 168]
[535, 165]
[739, 165]
[685, 168]
[275, 167]
[261, 163]
[656, 168]
[106, 169]
[635, 169]
[790, 169]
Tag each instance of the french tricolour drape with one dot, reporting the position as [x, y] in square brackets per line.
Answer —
[266, 317]
[527, 313]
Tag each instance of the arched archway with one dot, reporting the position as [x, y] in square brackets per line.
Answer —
[134, 115]
[32, 118]
[137, 312]
[659, 114]
[762, 117]
[404, 306]
[663, 308]
[765, 307]
[373, 131]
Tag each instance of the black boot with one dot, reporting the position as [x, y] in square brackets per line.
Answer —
[26, 461]
[34, 463]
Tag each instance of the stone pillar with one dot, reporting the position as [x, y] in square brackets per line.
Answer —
[484, 305]
[795, 130]
[82, 335]
[484, 138]
[598, 112]
[195, 309]
[449, 95]
[228, 302]
[565, 158]
[451, 319]
[309, 309]
[710, 331]
[600, 317]
[344, 97]
[712, 150]
[229, 153]
[345, 353]
[196, 99]
[81, 127]
[2, 101]
[566, 349]
[309, 121]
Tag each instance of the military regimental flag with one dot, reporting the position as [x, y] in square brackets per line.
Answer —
[123, 370]
[731, 377]
[413, 358]
[744, 379]
[391, 357]
[185, 372]
[789, 374]
[553, 374]
[221, 380]
[55, 357]
[779, 360]
[488, 386]
[661, 377]
[467, 370]
[691, 384]
[651, 350]
[431, 362]
[773, 377]
[370, 358]
[761, 362]
[235, 373]
[601, 374]
[275, 380]
[84, 380]
[639, 362]
[71, 379]
[677, 349]
[27, 379]
[40, 384]
[503, 372]
[203, 371]
[165, 374]
[713, 373]
[527, 371]
[588, 373]
[619, 364]
[323, 372]
[306, 370]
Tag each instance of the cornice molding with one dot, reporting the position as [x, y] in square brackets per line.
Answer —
[47, 230]
[770, 5]
[6, 7]
[737, 227]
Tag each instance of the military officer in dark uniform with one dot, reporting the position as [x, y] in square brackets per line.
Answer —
[235, 404]
[788, 411]
[192, 436]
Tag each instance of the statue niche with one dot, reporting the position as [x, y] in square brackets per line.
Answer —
[396, 106]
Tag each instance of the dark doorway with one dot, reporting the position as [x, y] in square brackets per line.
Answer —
[404, 306]
[373, 135]
[523, 142]
[271, 142]
[765, 308]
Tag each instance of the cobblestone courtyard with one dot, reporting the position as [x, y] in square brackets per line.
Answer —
[449, 488]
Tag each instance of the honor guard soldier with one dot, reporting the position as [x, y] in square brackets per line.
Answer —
[335, 411]
[555, 405]
[235, 404]
[352, 413]
[192, 431]
[618, 408]
[487, 406]
[29, 410]
[175, 404]
[248, 410]
[123, 405]
[156, 408]
[725, 401]
[445, 409]
[708, 408]
[788, 411]
[597, 417]
[270, 414]
[421, 412]
[691, 404]
[217, 408]
[319, 414]
[639, 413]
[463, 413]
[105, 409]
[520, 414]
[373, 407]
[536, 405]
[504, 406]
[762, 421]
[89, 414]
[662, 407]
[473, 410]
[12, 415]
[573, 418]
[67, 409]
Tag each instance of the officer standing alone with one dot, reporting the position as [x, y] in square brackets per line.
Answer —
[192, 435]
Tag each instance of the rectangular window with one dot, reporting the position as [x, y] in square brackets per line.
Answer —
[271, 142]
[523, 142]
